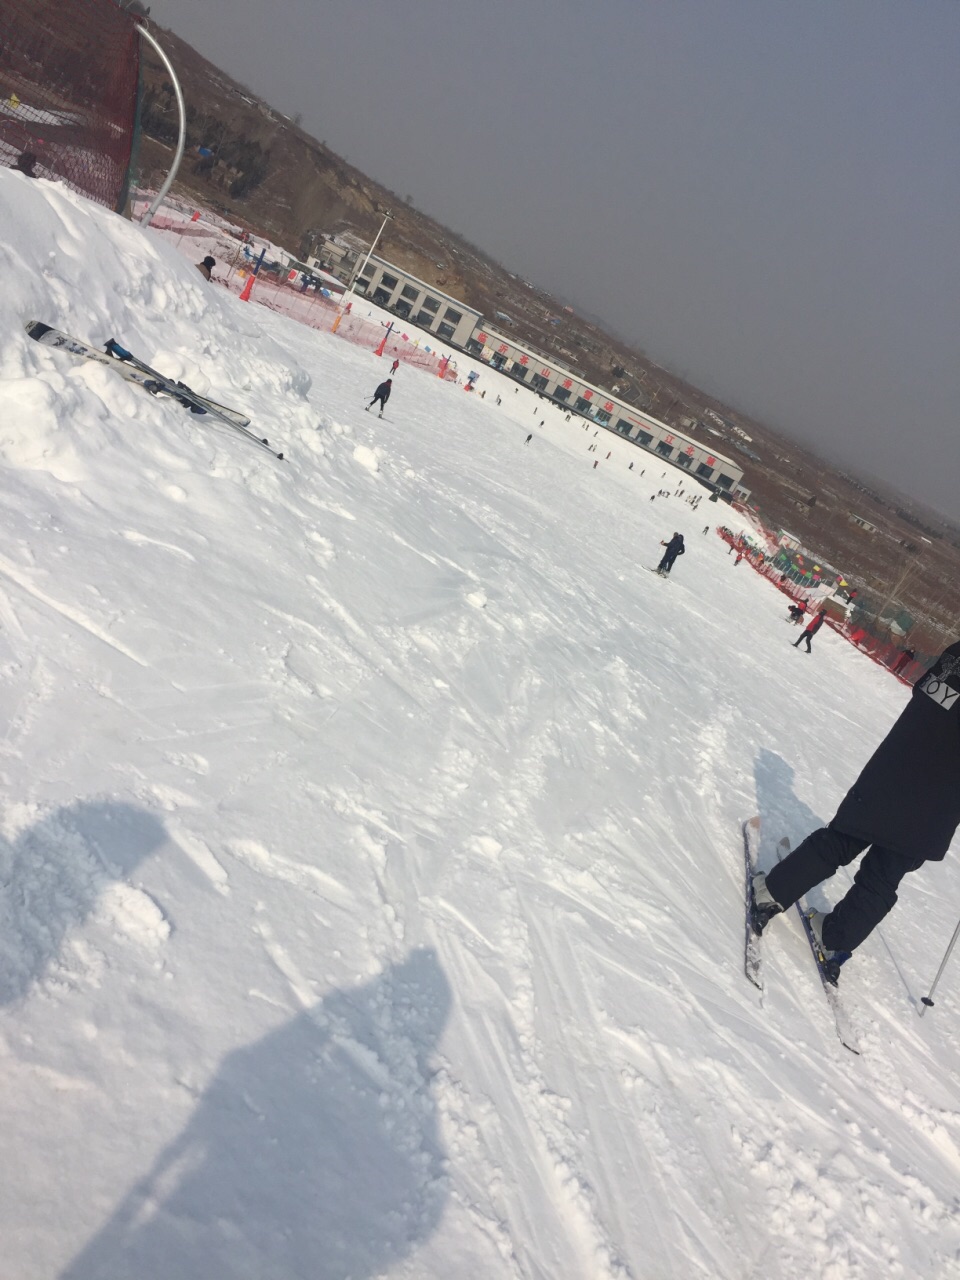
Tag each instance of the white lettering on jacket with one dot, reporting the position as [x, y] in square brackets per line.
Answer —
[943, 694]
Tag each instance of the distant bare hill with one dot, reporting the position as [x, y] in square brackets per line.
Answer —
[266, 173]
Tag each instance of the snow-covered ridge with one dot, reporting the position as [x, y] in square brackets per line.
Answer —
[370, 867]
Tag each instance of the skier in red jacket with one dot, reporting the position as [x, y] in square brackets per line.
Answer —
[811, 630]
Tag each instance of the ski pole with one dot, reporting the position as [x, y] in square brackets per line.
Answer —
[927, 1000]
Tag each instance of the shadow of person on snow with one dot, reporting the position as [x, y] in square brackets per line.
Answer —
[313, 1153]
[54, 875]
[781, 812]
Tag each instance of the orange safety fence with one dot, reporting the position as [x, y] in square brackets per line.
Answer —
[881, 649]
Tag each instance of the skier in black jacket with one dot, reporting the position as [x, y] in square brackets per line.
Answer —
[675, 548]
[905, 806]
[382, 394]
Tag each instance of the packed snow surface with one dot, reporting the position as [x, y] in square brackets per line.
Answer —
[371, 872]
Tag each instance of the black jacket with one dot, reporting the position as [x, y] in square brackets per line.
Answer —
[908, 796]
[382, 392]
[674, 547]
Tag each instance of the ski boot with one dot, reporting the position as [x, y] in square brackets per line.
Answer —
[763, 905]
[829, 961]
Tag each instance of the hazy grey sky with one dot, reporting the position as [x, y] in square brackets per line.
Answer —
[763, 194]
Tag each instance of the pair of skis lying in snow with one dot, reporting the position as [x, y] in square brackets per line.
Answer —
[134, 370]
[752, 955]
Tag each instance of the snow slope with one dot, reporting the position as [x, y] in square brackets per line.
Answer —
[370, 881]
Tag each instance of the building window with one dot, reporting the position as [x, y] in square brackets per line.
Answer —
[361, 285]
[408, 291]
[519, 371]
[431, 304]
[684, 460]
[562, 394]
[453, 316]
[704, 471]
[602, 417]
[582, 405]
[623, 426]
[402, 309]
[445, 330]
[388, 281]
[539, 382]
[424, 318]
[643, 438]
[381, 296]
[724, 482]
[498, 360]
[474, 347]
[664, 449]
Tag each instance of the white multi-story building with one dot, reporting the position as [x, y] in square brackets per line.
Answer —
[455, 323]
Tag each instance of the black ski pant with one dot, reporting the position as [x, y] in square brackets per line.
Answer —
[808, 636]
[666, 564]
[872, 894]
[382, 402]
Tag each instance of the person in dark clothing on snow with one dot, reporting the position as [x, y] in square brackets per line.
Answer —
[26, 163]
[382, 394]
[903, 809]
[907, 655]
[797, 611]
[811, 629]
[206, 267]
[675, 548]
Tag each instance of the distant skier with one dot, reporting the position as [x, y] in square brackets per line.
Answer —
[811, 629]
[907, 655]
[674, 548]
[382, 394]
[905, 806]
[797, 611]
[529, 438]
[206, 267]
[394, 367]
[706, 529]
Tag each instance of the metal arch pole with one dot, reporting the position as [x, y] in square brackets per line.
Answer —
[181, 140]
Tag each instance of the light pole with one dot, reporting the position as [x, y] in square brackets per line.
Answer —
[348, 292]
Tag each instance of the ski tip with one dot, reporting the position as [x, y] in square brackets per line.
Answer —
[36, 328]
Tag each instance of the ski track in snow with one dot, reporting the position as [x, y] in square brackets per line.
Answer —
[370, 870]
